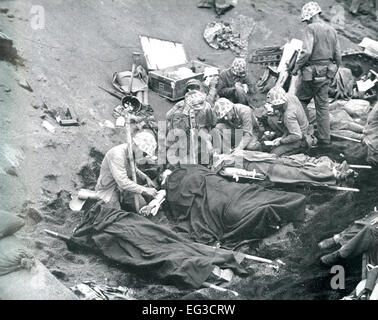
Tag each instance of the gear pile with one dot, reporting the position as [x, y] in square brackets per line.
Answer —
[232, 35]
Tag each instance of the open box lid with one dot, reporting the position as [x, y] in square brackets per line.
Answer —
[161, 54]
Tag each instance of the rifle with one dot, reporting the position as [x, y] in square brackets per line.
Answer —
[129, 139]
[284, 75]
[130, 156]
[113, 93]
[71, 244]
[193, 137]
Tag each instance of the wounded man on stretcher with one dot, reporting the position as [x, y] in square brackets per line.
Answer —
[297, 168]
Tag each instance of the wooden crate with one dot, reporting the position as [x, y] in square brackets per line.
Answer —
[174, 89]
[164, 56]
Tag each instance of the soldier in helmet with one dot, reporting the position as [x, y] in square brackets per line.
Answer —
[194, 112]
[235, 122]
[115, 185]
[318, 62]
[234, 84]
[208, 86]
[295, 123]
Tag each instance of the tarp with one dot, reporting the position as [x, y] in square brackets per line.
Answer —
[342, 85]
[343, 124]
[148, 248]
[298, 168]
[210, 209]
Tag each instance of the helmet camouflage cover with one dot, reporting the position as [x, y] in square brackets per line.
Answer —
[239, 66]
[276, 96]
[195, 99]
[222, 107]
[146, 142]
[309, 10]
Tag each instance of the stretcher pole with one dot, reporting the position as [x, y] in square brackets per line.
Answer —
[343, 188]
[242, 255]
[345, 138]
[218, 288]
[128, 134]
[358, 166]
[193, 138]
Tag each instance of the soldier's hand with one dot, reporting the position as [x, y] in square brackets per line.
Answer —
[238, 85]
[150, 183]
[277, 142]
[150, 192]
[214, 81]
[294, 72]
[373, 222]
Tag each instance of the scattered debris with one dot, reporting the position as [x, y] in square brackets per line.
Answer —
[89, 290]
[107, 124]
[48, 126]
[6, 88]
[34, 214]
[12, 172]
[233, 34]
[220, 6]
[67, 119]
[24, 84]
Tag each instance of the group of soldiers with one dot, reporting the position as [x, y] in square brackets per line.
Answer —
[220, 110]
[223, 107]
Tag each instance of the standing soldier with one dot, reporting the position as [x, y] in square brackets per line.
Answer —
[318, 61]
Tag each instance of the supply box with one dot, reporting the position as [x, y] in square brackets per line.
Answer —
[168, 67]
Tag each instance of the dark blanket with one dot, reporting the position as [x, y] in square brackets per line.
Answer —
[212, 209]
[148, 248]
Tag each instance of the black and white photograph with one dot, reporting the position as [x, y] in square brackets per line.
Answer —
[198, 152]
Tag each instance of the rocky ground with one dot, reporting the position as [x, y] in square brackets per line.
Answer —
[82, 44]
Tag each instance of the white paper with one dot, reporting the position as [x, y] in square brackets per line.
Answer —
[363, 86]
